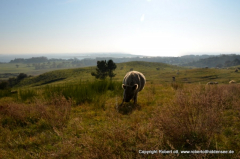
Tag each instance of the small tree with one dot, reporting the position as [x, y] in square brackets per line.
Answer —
[21, 76]
[111, 66]
[104, 69]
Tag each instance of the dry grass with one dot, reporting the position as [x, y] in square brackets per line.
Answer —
[27, 129]
[55, 111]
[176, 85]
[191, 117]
[196, 118]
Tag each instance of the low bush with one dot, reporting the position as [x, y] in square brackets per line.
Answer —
[3, 85]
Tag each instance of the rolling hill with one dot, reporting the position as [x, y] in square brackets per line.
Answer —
[163, 74]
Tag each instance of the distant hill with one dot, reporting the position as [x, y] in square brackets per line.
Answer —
[26, 58]
[84, 73]
[83, 60]
[91, 60]
[155, 72]
[216, 61]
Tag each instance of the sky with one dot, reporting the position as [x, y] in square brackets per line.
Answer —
[143, 27]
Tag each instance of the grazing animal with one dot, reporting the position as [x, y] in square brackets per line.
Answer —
[131, 69]
[173, 78]
[133, 82]
[158, 68]
[236, 70]
[209, 83]
[14, 92]
[232, 82]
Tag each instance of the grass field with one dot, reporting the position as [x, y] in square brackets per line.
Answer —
[163, 75]
[22, 68]
[69, 114]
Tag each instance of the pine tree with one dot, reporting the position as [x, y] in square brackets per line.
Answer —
[104, 69]
[111, 66]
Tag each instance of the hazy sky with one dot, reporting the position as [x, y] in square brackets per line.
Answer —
[147, 27]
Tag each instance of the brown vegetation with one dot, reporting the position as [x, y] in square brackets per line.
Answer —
[188, 117]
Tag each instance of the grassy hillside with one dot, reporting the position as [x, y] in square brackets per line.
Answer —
[216, 61]
[68, 114]
[11, 68]
[77, 74]
[163, 75]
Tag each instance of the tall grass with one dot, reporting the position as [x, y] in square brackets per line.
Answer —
[55, 112]
[197, 118]
[26, 127]
[176, 85]
[194, 117]
[82, 92]
[27, 94]
[5, 92]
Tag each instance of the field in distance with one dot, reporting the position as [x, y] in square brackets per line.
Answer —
[8, 70]
[154, 72]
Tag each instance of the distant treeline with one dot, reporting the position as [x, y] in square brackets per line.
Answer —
[5, 84]
[216, 61]
[187, 60]
[92, 61]
[30, 60]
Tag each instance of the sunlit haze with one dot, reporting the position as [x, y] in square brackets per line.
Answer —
[143, 27]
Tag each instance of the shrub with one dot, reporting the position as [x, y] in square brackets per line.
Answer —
[195, 116]
[21, 76]
[3, 85]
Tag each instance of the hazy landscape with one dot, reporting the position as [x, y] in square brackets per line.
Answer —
[62, 65]
[35, 65]
[68, 114]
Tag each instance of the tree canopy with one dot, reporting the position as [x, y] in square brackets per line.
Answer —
[104, 69]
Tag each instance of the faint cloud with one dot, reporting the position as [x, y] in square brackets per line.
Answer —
[149, 0]
[142, 18]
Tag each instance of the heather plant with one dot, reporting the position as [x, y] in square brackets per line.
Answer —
[196, 117]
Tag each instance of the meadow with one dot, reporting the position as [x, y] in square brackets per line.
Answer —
[8, 70]
[68, 114]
